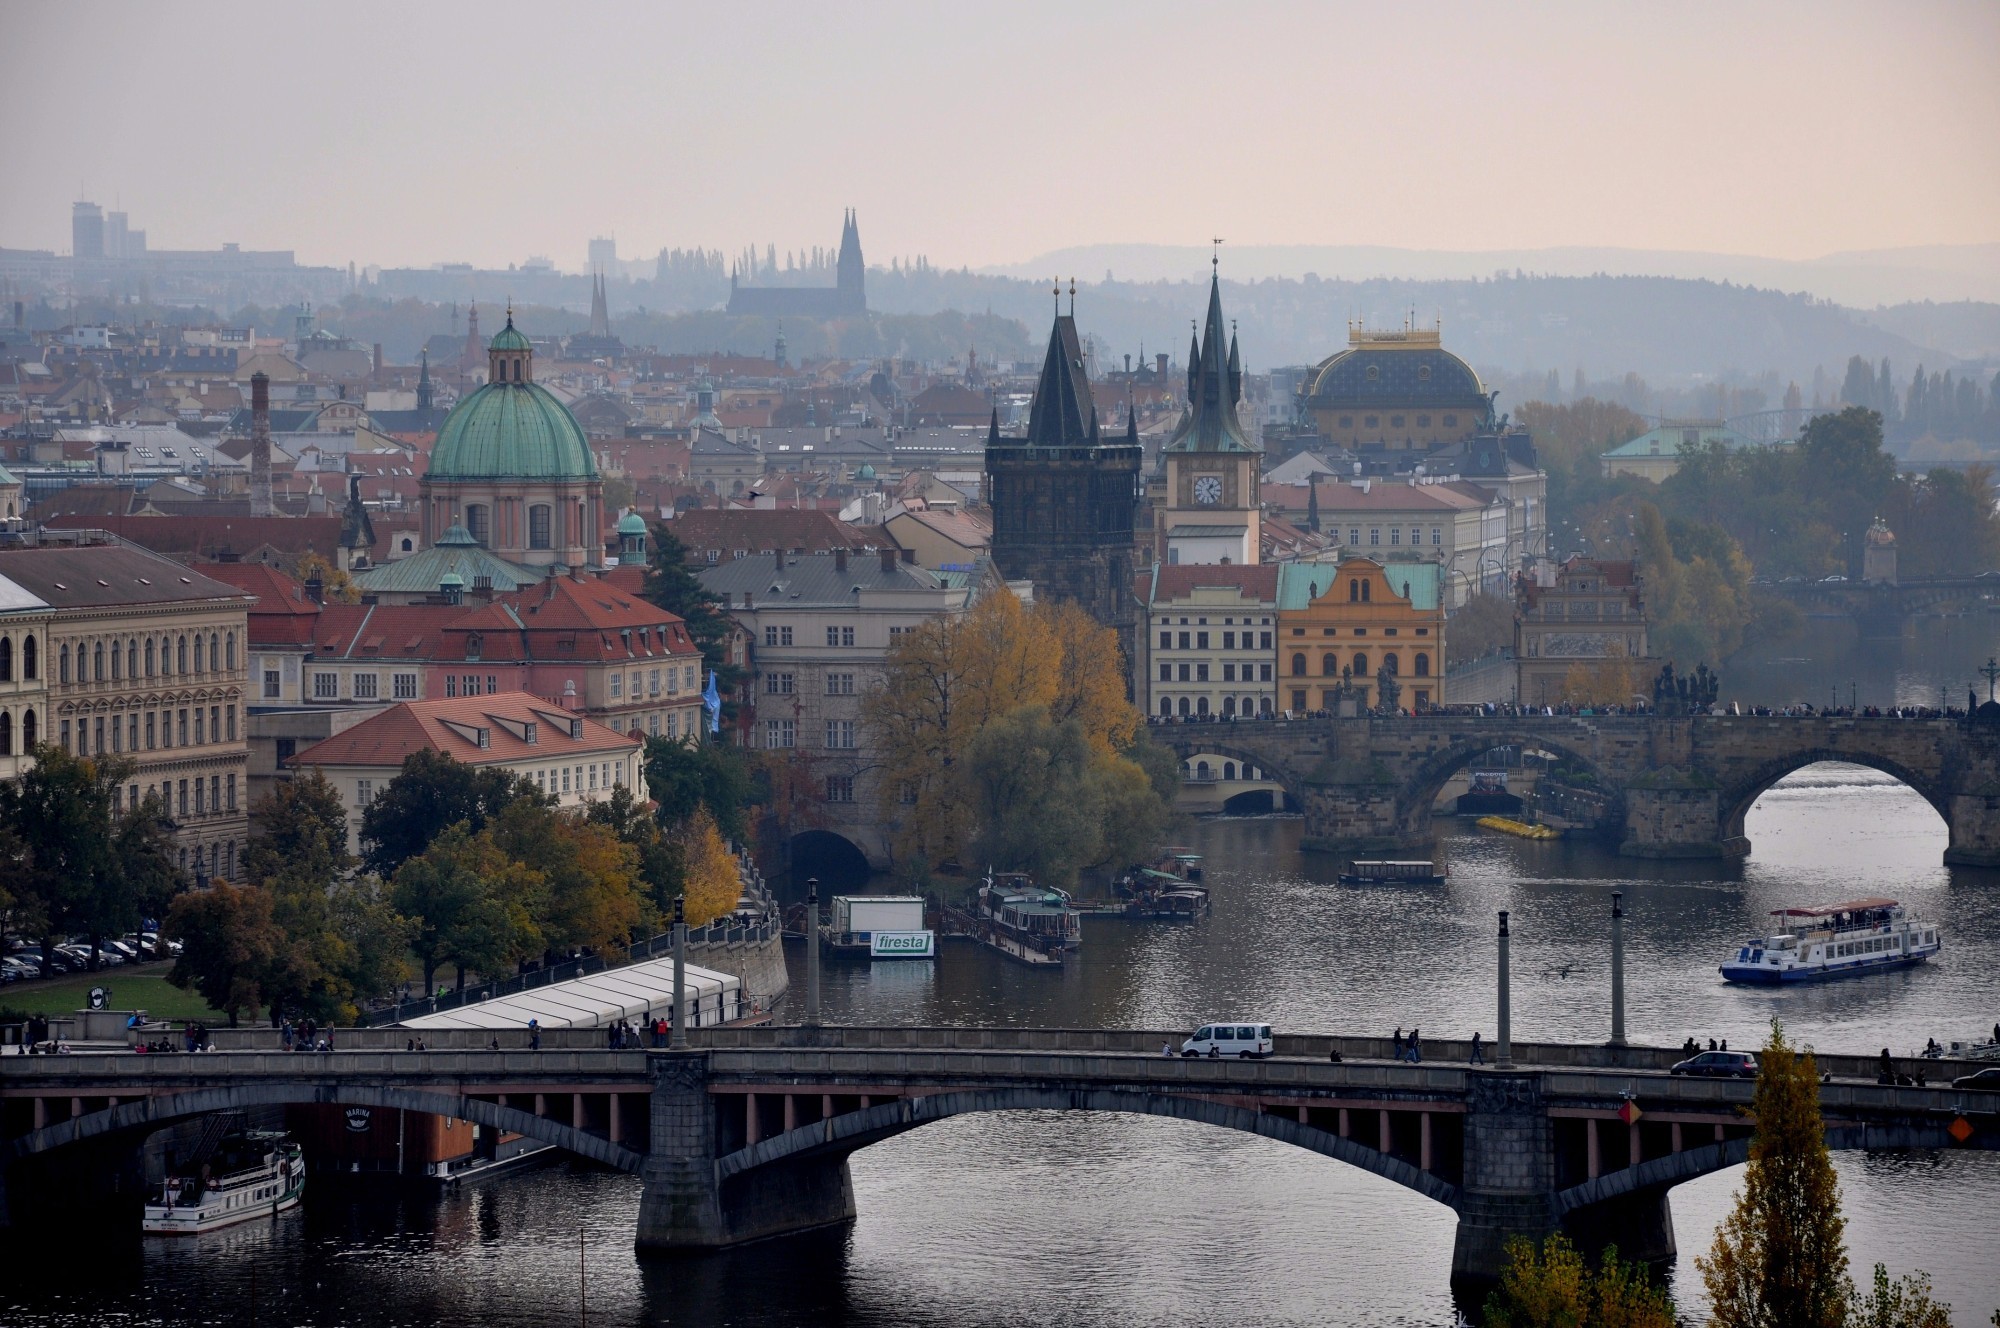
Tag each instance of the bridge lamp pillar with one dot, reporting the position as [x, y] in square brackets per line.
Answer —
[680, 1039]
[812, 952]
[1504, 1048]
[1617, 968]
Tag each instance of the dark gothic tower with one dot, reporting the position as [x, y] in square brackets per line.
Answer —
[600, 312]
[1064, 496]
[424, 394]
[850, 274]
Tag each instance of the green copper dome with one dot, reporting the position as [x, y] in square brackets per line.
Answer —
[510, 338]
[631, 524]
[511, 431]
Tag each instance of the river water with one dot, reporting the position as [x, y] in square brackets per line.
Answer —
[1059, 1219]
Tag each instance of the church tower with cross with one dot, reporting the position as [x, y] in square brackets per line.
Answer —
[1065, 492]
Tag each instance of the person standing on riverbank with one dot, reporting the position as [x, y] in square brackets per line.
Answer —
[1478, 1058]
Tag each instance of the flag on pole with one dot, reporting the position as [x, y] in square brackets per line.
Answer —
[711, 701]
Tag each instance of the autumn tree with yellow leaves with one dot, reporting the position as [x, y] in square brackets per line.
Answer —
[712, 885]
[1005, 734]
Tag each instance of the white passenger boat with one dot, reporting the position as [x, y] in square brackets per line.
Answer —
[1859, 936]
[258, 1173]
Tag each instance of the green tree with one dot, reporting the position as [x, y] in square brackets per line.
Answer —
[1778, 1260]
[1903, 1303]
[434, 791]
[469, 906]
[1554, 1287]
[682, 778]
[662, 863]
[299, 830]
[229, 945]
[591, 896]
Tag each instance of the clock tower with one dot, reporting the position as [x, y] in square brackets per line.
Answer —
[1209, 506]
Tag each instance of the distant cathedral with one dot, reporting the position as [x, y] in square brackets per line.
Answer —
[1064, 496]
[847, 296]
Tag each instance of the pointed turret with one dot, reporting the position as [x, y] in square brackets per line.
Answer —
[1235, 369]
[600, 312]
[1194, 365]
[993, 429]
[424, 381]
[1215, 385]
[1062, 394]
[1131, 422]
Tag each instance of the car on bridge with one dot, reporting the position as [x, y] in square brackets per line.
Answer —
[1987, 1079]
[1719, 1065]
[1246, 1040]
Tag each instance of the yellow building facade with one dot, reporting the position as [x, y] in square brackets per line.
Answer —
[1344, 625]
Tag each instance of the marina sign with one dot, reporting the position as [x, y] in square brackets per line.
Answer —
[902, 945]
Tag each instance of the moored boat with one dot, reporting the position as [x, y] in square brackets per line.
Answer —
[1837, 940]
[1032, 923]
[1364, 872]
[258, 1173]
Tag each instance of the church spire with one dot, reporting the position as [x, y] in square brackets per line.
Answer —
[424, 381]
[1215, 385]
[600, 313]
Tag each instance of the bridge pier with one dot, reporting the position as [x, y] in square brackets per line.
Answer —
[1669, 814]
[1974, 824]
[1641, 1225]
[1509, 1172]
[686, 1206]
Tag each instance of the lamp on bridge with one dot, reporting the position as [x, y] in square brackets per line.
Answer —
[1504, 1050]
[680, 1039]
[1617, 968]
[812, 952]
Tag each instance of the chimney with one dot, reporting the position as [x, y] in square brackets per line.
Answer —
[315, 588]
[910, 557]
[780, 556]
[260, 444]
[1160, 361]
[840, 559]
[889, 560]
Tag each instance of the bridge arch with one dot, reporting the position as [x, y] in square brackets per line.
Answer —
[1738, 796]
[1419, 792]
[1189, 749]
[838, 862]
[838, 1136]
[145, 1115]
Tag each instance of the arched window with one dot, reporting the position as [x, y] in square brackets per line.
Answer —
[1263, 705]
[1229, 770]
[62, 663]
[1365, 587]
[538, 526]
[474, 643]
[1201, 705]
[149, 657]
[30, 667]
[28, 734]
[131, 659]
[1298, 666]
[181, 655]
[1166, 705]
[1354, 592]
[1360, 664]
[1228, 705]
[478, 521]
[197, 653]
[1390, 664]
[232, 651]
[117, 661]
[6, 733]
[1200, 772]
[1423, 665]
[6, 659]
[97, 662]
[1329, 666]
[1184, 705]
[214, 653]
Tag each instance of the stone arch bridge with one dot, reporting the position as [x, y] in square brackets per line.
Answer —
[1673, 786]
[747, 1135]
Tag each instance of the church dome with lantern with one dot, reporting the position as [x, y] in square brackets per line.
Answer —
[514, 468]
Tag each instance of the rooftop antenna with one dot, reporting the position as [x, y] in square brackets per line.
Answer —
[1215, 259]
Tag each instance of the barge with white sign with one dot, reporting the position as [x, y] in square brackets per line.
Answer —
[868, 927]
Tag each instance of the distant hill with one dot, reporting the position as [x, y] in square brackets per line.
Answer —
[1862, 278]
[1668, 329]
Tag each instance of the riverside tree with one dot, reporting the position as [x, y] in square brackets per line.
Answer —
[1553, 1287]
[1778, 1260]
[1007, 735]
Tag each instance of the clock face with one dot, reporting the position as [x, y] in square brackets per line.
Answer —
[1208, 490]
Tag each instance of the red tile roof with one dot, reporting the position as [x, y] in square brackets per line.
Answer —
[452, 726]
[1254, 584]
[283, 615]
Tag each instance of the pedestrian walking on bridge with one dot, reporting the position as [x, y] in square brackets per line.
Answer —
[1478, 1057]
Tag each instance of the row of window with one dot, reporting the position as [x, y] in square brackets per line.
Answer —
[1395, 421]
[1198, 705]
[166, 657]
[365, 686]
[1230, 672]
[1199, 641]
[104, 733]
[783, 684]
[30, 733]
[1226, 622]
[1395, 533]
[775, 635]
[188, 797]
[1330, 664]
[30, 665]
[783, 734]
[647, 683]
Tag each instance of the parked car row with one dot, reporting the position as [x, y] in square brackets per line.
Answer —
[25, 959]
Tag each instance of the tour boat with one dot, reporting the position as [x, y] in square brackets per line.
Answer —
[1859, 936]
[258, 1173]
[1361, 872]
[1031, 923]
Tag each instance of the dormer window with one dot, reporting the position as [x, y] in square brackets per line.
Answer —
[529, 733]
[485, 738]
[473, 645]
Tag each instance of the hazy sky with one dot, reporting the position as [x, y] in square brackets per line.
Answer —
[407, 134]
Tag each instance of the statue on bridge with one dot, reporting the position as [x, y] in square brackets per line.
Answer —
[1685, 694]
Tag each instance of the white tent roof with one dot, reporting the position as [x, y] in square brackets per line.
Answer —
[632, 992]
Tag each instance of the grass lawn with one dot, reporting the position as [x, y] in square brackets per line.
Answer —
[143, 988]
